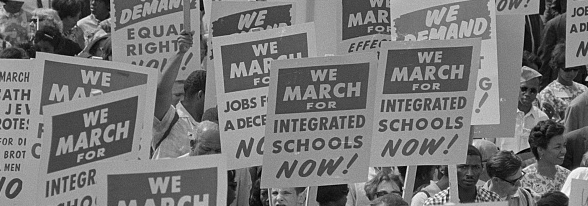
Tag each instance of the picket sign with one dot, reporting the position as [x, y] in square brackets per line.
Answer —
[409, 182]
[453, 191]
[186, 9]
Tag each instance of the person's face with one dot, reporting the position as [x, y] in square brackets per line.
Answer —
[286, 197]
[528, 92]
[568, 74]
[70, 21]
[177, 92]
[469, 173]
[99, 9]
[208, 140]
[511, 183]
[264, 197]
[44, 46]
[555, 151]
[13, 6]
[387, 187]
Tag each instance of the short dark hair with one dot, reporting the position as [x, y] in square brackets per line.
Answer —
[13, 53]
[473, 151]
[553, 198]
[371, 186]
[67, 8]
[195, 82]
[107, 2]
[542, 133]
[331, 193]
[503, 164]
[211, 114]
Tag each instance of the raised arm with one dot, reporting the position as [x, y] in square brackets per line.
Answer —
[163, 98]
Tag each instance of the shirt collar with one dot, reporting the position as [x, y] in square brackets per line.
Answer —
[183, 113]
[533, 112]
[487, 187]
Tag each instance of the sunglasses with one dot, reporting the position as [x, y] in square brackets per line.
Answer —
[514, 182]
[532, 90]
[570, 69]
[384, 192]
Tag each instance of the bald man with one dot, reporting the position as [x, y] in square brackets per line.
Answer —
[488, 149]
[207, 139]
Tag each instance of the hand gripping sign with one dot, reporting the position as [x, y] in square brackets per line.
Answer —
[242, 76]
[424, 98]
[456, 19]
[200, 180]
[319, 116]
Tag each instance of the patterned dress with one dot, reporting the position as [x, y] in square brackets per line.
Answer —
[541, 184]
[14, 27]
[559, 97]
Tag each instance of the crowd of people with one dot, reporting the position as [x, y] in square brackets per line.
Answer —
[535, 167]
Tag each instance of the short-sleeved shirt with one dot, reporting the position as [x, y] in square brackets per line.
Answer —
[541, 184]
[559, 96]
[524, 124]
[177, 142]
[482, 195]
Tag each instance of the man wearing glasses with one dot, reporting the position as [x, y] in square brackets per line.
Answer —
[505, 174]
[467, 177]
[527, 115]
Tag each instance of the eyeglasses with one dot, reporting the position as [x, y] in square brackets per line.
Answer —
[575, 69]
[532, 90]
[384, 192]
[514, 182]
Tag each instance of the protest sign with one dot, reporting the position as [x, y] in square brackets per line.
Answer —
[456, 19]
[510, 43]
[424, 99]
[79, 133]
[68, 78]
[319, 117]
[517, 7]
[19, 145]
[229, 17]
[577, 33]
[579, 192]
[362, 25]
[242, 77]
[200, 180]
[145, 33]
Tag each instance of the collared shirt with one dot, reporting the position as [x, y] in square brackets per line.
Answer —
[482, 195]
[14, 26]
[524, 124]
[559, 97]
[177, 142]
[522, 197]
[541, 184]
[89, 26]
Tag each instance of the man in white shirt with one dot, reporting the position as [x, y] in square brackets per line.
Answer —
[91, 24]
[527, 114]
